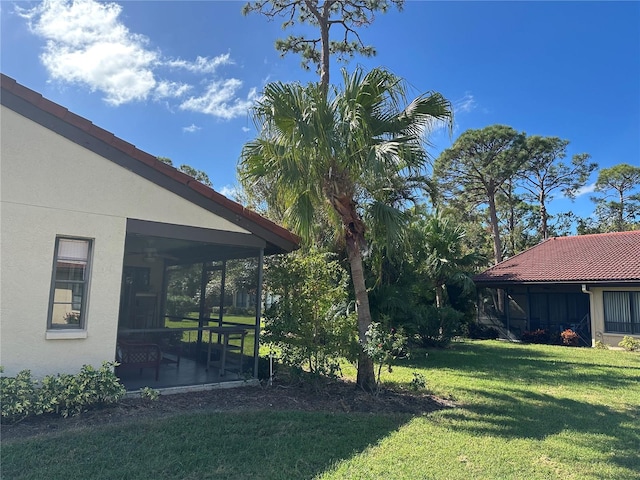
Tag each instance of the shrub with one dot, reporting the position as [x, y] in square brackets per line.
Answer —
[309, 321]
[384, 347]
[435, 327]
[240, 311]
[418, 382]
[536, 336]
[63, 394]
[479, 331]
[149, 394]
[179, 305]
[569, 337]
[17, 395]
[630, 344]
[600, 345]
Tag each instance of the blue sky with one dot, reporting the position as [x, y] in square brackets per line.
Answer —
[176, 79]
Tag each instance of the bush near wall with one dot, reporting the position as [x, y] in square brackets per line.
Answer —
[536, 336]
[630, 344]
[64, 394]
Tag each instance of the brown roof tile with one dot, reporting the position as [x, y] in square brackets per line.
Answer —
[605, 257]
[10, 85]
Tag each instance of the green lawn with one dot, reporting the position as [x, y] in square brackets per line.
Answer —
[191, 336]
[525, 412]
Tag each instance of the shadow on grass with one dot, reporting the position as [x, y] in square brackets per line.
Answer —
[273, 445]
[522, 414]
[561, 365]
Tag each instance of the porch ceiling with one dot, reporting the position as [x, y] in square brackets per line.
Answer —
[181, 252]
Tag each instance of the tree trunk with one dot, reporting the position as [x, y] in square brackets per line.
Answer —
[439, 296]
[323, 23]
[497, 243]
[366, 376]
[495, 230]
[544, 217]
[620, 220]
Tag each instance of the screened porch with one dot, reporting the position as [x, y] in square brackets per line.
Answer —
[189, 310]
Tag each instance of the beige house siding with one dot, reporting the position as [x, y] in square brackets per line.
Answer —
[597, 315]
[52, 187]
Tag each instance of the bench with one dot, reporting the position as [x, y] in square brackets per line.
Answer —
[132, 355]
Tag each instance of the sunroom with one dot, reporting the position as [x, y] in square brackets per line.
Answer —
[189, 306]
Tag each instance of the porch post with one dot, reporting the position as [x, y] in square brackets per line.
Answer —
[507, 309]
[203, 293]
[256, 343]
[528, 309]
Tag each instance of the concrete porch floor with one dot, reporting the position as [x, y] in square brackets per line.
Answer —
[188, 373]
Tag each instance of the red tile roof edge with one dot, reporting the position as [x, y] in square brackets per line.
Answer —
[500, 273]
[11, 85]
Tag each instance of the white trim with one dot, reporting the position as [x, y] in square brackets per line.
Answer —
[65, 334]
[252, 382]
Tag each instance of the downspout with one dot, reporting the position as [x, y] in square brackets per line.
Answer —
[594, 334]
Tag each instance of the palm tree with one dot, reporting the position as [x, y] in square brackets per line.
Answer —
[438, 244]
[341, 150]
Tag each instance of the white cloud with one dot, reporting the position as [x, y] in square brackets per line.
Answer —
[87, 44]
[585, 190]
[229, 191]
[191, 128]
[246, 129]
[220, 100]
[201, 64]
[166, 89]
[465, 104]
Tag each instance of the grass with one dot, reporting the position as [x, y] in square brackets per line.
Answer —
[191, 336]
[525, 412]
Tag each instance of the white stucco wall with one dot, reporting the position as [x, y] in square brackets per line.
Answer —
[52, 187]
[597, 316]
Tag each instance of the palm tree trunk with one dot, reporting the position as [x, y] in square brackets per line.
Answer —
[439, 296]
[366, 376]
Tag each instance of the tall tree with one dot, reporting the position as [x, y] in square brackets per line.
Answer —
[321, 152]
[545, 172]
[617, 200]
[348, 15]
[517, 219]
[477, 165]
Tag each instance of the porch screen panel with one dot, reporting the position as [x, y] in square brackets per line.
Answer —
[635, 306]
[558, 317]
[617, 312]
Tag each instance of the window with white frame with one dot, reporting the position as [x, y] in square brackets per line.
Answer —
[621, 312]
[69, 285]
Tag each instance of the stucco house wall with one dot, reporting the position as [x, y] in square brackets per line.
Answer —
[597, 316]
[50, 187]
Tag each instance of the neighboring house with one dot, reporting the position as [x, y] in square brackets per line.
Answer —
[590, 283]
[90, 228]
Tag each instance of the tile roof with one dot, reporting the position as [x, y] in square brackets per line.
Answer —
[243, 216]
[597, 258]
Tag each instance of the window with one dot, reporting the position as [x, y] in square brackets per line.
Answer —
[622, 312]
[69, 284]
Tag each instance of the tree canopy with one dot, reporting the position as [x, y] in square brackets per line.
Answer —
[544, 173]
[476, 167]
[617, 204]
[348, 15]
